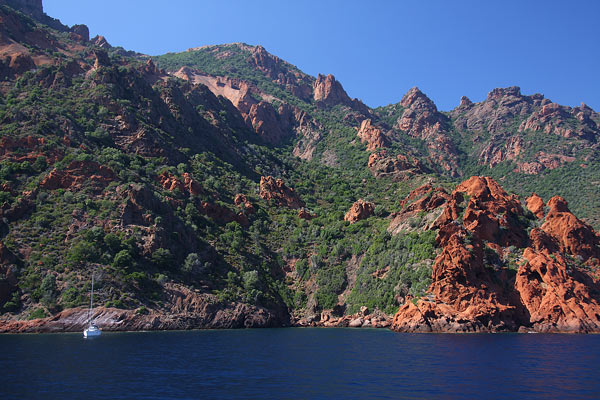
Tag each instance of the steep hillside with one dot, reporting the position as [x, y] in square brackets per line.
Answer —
[528, 143]
[222, 187]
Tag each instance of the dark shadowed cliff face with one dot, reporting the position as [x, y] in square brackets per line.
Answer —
[31, 7]
[222, 187]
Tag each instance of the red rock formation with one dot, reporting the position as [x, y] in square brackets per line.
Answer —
[371, 135]
[550, 292]
[100, 41]
[557, 296]
[281, 72]
[552, 161]
[77, 174]
[328, 91]
[529, 168]
[399, 168]
[170, 182]
[241, 201]
[554, 119]
[360, 210]
[573, 235]
[80, 33]
[494, 154]
[304, 214]
[421, 119]
[34, 148]
[465, 296]
[263, 119]
[306, 128]
[425, 199]
[220, 213]
[192, 186]
[275, 191]
[535, 204]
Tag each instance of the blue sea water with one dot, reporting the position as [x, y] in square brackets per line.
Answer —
[299, 363]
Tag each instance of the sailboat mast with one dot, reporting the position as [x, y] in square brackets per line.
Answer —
[91, 298]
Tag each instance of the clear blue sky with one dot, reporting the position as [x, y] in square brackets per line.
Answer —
[380, 49]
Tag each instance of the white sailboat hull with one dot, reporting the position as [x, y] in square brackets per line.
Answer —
[90, 332]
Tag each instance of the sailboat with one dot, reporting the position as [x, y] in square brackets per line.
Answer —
[92, 329]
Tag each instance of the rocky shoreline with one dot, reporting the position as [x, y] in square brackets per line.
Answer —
[242, 316]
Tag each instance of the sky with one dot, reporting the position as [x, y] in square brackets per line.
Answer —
[378, 50]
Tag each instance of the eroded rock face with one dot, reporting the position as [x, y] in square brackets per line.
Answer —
[493, 154]
[263, 119]
[329, 91]
[277, 192]
[574, 236]
[423, 200]
[465, 296]
[360, 210]
[222, 214]
[371, 136]
[490, 125]
[80, 33]
[77, 174]
[399, 168]
[422, 120]
[33, 147]
[554, 119]
[473, 290]
[306, 128]
[281, 72]
[535, 204]
[557, 297]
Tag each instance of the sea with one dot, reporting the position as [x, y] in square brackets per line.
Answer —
[299, 363]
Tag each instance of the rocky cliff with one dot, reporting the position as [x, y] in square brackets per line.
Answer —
[491, 275]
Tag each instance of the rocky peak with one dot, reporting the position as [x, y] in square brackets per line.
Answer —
[101, 42]
[574, 236]
[418, 101]
[280, 71]
[422, 120]
[557, 204]
[498, 93]
[329, 91]
[81, 32]
[465, 102]
[266, 62]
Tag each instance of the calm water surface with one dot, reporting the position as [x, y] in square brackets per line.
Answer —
[298, 364]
